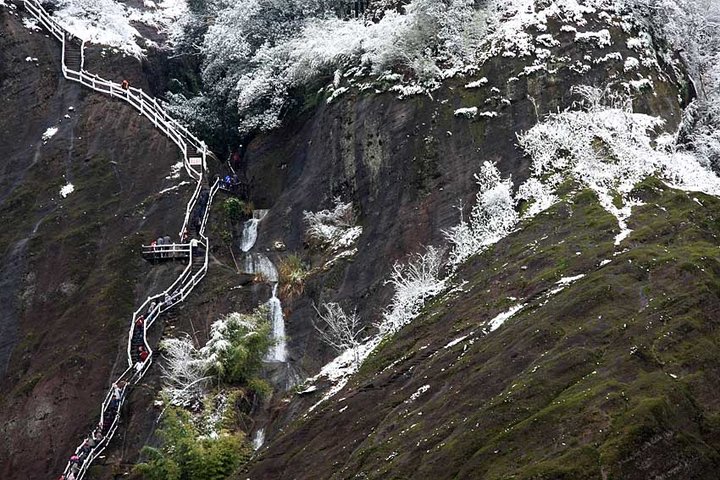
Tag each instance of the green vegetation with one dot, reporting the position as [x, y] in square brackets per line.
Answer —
[186, 455]
[609, 377]
[293, 272]
[235, 209]
[248, 338]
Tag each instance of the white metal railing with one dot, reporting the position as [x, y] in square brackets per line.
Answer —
[173, 250]
[154, 305]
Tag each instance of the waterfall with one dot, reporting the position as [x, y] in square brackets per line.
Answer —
[249, 234]
[258, 263]
[258, 439]
[278, 352]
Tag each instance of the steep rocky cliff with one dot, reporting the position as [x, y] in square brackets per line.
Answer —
[71, 269]
[561, 352]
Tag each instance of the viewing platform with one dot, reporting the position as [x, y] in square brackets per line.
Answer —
[173, 251]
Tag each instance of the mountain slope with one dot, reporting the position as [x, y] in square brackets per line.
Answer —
[609, 377]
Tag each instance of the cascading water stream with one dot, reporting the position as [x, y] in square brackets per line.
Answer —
[260, 265]
[258, 439]
[249, 234]
[278, 352]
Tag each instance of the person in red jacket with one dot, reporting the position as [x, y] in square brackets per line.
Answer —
[143, 354]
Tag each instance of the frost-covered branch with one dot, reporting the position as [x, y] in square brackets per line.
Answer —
[338, 329]
[333, 229]
[185, 370]
[609, 149]
[491, 218]
[414, 281]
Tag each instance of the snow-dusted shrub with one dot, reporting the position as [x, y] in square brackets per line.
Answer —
[186, 371]
[237, 345]
[608, 148]
[338, 329]
[491, 218]
[332, 229]
[415, 281]
[233, 353]
[186, 453]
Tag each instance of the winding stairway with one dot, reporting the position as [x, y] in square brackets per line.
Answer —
[194, 153]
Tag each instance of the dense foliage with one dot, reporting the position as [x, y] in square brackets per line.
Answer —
[186, 455]
[259, 52]
[233, 355]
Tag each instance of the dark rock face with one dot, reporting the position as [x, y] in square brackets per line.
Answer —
[406, 165]
[71, 274]
[71, 270]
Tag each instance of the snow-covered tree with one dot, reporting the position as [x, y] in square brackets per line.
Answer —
[339, 330]
[610, 149]
[415, 281]
[491, 218]
[258, 53]
[186, 371]
[233, 353]
[333, 229]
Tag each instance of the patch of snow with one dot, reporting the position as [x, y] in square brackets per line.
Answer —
[547, 40]
[175, 170]
[310, 389]
[496, 322]
[456, 341]
[336, 93]
[417, 393]
[339, 370]
[67, 190]
[565, 281]
[111, 23]
[49, 133]
[31, 24]
[600, 39]
[610, 56]
[175, 187]
[631, 63]
[477, 83]
[604, 262]
[467, 112]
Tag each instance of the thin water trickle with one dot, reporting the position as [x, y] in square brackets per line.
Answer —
[259, 439]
